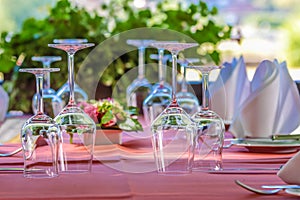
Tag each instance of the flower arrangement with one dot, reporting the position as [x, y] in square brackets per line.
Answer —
[110, 114]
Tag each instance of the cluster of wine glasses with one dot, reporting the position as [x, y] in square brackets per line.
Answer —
[55, 100]
[70, 135]
[153, 99]
[184, 139]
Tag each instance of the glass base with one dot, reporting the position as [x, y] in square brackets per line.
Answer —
[175, 173]
[77, 140]
[77, 171]
[172, 141]
[209, 141]
[39, 173]
[207, 165]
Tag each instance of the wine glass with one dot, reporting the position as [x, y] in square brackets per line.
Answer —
[173, 131]
[162, 68]
[210, 139]
[187, 100]
[140, 88]
[161, 94]
[40, 135]
[53, 103]
[64, 91]
[77, 128]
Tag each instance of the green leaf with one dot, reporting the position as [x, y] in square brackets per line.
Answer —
[107, 117]
[131, 125]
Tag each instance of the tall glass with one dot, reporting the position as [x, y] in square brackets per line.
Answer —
[173, 131]
[64, 91]
[161, 95]
[77, 128]
[209, 143]
[40, 135]
[53, 103]
[187, 100]
[140, 88]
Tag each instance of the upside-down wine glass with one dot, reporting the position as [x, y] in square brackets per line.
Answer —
[140, 88]
[40, 135]
[173, 131]
[187, 100]
[161, 94]
[162, 68]
[77, 128]
[64, 91]
[210, 139]
[52, 102]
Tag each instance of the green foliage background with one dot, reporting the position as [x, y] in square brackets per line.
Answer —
[67, 21]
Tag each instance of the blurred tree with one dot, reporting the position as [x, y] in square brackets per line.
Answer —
[292, 29]
[14, 12]
[68, 21]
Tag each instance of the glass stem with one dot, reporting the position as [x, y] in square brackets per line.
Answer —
[205, 92]
[39, 92]
[183, 84]
[71, 77]
[161, 67]
[141, 66]
[46, 76]
[174, 74]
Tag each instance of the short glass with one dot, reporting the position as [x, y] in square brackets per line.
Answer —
[40, 136]
[211, 128]
[174, 146]
[173, 132]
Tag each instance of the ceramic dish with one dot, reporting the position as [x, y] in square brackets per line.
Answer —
[268, 145]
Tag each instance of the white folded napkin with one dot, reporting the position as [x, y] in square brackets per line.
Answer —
[273, 106]
[230, 89]
[289, 173]
[288, 116]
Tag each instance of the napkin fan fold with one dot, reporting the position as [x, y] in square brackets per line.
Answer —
[230, 89]
[273, 106]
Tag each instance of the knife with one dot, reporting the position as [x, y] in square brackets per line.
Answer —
[286, 137]
[281, 186]
[11, 169]
[245, 171]
[17, 169]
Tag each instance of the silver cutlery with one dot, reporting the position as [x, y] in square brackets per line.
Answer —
[281, 186]
[258, 191]
[16, 169]
[286, 137]
[11, 153]
[245, 171]
[11, 169]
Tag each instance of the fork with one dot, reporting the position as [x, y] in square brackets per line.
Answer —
[11, 153]
[258, 191]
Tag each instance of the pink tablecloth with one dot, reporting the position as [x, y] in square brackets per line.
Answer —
[110, 178]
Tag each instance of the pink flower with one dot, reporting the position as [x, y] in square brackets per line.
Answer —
[91, 111]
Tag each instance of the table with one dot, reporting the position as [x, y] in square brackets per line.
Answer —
[105, 182]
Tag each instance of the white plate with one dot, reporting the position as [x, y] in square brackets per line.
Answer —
[268, 145]
[295, 192]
